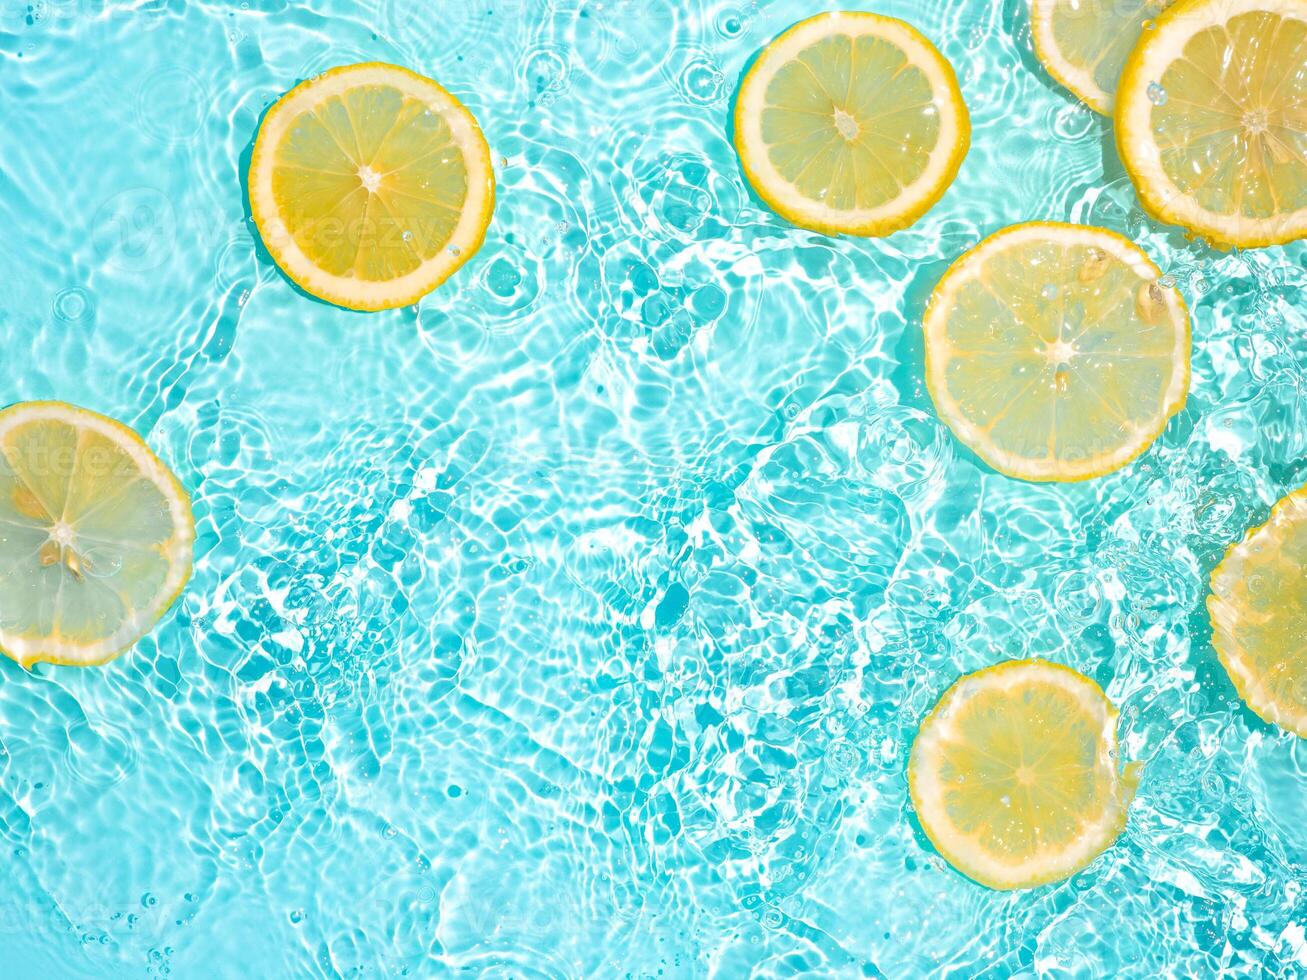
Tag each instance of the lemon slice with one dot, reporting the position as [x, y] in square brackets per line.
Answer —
[851, 123]
[1258, 608]
[96, 535]
[1084, 43]
[1211, 120]
[1014, 775]
[1055, 353]
[370, 185]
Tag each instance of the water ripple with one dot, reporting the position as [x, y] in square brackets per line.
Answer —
[578, 620]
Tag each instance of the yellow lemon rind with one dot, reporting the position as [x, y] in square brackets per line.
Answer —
[1218, 610]
[1006, 463]
[182, 544]
[1075, 80]
[345, 291]
[1115, 817]
[955, 125]
[1160, 197]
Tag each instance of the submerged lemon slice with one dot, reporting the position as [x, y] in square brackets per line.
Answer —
[96, 535]
[1055, 353]
[851, 123]
[1014, 775]
[1084, 43]
[371, 185]
[1211, 120]
[1258, 608]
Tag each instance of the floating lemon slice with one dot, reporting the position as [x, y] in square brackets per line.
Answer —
[1258, 607]
[1084, 43]
[1054, 352]
[96, 535]
[371, 185]
[1014, 775]
[1211, 120]
[851, 123]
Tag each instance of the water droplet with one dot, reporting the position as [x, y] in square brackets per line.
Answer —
[1156, 94]
[73, 305]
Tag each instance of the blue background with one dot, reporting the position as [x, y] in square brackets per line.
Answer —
[578, 621]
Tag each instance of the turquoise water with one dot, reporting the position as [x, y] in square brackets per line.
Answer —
[577, 623]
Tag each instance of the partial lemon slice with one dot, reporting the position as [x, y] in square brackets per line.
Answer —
[1258, 607]
[96, 535]
[371, 185]
[1014, 775]
[1211, 120]
[1084, 43]
[1054, 351]
[851, 123]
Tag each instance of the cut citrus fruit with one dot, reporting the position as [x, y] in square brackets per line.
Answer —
[1054, 352]
[1211, 120]
[1084, 43]
[851, 123]
[1258, 607]
[370, 185]
[1014, 775]
[96, 535]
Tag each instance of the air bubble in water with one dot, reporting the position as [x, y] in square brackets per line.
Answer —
[1156, 94]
